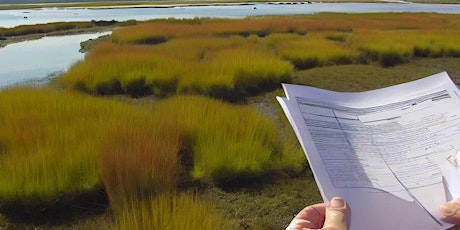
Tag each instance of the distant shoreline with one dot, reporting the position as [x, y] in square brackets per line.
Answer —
[22, 38]
[169, 4]
[114, 5]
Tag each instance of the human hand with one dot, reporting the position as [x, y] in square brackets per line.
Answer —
[332, 216]
[451, 213]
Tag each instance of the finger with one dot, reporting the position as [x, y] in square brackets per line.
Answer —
[311, 217]
[337, 215]
[300, 224]
[451, 211]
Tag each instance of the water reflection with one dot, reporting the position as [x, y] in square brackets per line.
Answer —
[39, 58]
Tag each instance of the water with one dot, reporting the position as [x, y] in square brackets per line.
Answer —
[37, 59]
[11, 18]
[34, 60]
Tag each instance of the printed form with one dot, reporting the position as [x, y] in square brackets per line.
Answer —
[390, 153]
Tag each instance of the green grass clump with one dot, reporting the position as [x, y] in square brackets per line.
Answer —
[389, 48]
[49, 142]
[114, 69]
[140, 36]
[312, 50]
[226, 141]
[236, 72]
[437, 44]
[225, 68]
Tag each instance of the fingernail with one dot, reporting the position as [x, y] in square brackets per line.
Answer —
[337, 202]
[448, 209]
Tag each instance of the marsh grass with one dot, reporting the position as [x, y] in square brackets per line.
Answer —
[139, 159]
[233, 59]
[41, 158]
[396, 47]
[314, 49]
[49, 142]
[171, 212]
[54, 27]
[43, 28]
[225, 68]
[59, 145]
[227, 141]
[247, 69]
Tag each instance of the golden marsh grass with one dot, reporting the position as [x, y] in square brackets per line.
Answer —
[171, 212]
[226, 140]
[225, 68]
[232, 59]
[55, 143]
[49, 140]
[138, 160]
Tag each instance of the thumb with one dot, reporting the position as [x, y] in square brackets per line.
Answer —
[451, 211]
[337, 215]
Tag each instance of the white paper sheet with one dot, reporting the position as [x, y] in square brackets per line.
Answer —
[384, 151]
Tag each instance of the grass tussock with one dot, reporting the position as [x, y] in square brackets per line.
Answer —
[171, 212]
[48, 141]
[138, 160]
[225, 68]
[313, 50]
[226, 141]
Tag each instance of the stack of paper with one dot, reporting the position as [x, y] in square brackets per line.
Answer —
[390, 153]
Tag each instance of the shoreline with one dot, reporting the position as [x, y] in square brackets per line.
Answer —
[122, 6]
[171, 4]
[23, 38]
